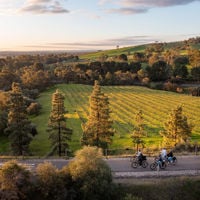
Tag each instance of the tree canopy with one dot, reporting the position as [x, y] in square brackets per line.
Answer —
[19, 127]
[97, 131]
[176, 129]
[59, 133]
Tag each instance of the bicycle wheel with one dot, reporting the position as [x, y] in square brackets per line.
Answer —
[144, 163]
[134, 164]
[153, 166]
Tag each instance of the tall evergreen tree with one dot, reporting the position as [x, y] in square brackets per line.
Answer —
[19, 128]
[176, 128]
[97, 131]
[138, 132]
[59, 133]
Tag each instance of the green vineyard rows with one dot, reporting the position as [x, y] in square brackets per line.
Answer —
[125, 101]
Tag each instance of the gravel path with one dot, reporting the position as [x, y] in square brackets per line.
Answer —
[154, 174]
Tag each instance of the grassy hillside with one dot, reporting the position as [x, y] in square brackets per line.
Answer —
[125, 101]
[131, 49]
[113, 52]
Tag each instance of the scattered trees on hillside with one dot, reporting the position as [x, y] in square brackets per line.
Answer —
[176, 129]
[19, 128]
[59, 133]
[97, 131]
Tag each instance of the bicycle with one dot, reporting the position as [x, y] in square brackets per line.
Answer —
[158, 163]
[143, 162]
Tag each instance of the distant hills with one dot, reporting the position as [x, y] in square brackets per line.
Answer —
[192, 43]
[92, 54]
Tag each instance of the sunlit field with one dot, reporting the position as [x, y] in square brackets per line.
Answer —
[125, 102]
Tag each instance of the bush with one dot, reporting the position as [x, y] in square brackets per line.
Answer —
[49, 184]
[91, 175]
[14, 181]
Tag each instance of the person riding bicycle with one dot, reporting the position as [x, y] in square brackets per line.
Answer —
[162, 156]
[140, 156]
[170, 156]
[163, 153]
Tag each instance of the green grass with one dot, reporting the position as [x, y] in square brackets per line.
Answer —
[125, 102]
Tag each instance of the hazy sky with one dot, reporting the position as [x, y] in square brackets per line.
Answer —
[95, 24]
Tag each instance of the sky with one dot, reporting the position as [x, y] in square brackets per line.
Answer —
[28, 25]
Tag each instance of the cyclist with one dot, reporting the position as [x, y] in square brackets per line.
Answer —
[139, 156]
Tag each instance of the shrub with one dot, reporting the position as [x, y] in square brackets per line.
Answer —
[49, 183]
[91, 174]
[14, 181]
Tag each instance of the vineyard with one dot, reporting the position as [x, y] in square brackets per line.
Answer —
[125, 102]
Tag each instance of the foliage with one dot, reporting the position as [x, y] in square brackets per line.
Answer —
[159, 71]
[177, 128]
[49, 183]
[138, 131]
[35, 78]
[91, 174]
[19, 128]
[59, 133]
[180, 71]
[97, 131]
[14, 181]
[194, 57]
[195, 72]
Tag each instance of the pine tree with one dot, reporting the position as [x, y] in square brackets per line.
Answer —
[176, 128]
[97, 131]
[138, 131]
[19, 128]
[59, 133]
